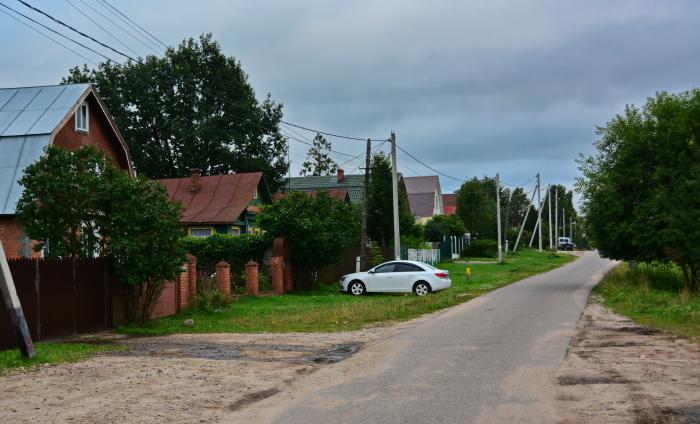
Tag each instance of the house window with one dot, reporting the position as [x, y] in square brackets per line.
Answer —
[81, 118]
[200, 232]
[235, 231]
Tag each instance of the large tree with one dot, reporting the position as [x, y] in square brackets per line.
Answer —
[191, 108]
[640, 189]
[318, 159]
[380, 215]
[476, 206]
[77, 204]
[319, 230]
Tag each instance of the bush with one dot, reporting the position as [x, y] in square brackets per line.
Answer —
[236, 250]
[481, 249]
[658, 276]
[209, 298]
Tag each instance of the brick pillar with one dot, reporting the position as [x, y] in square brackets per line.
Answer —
[288, 286]
[277, 274]
[192, 260]
[184, 286]
[223, 278]
[251, 278]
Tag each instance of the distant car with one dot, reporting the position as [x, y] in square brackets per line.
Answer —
[565, 243]
[397, 277]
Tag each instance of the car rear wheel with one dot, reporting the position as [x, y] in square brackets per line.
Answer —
[356, 288]
[421, 288]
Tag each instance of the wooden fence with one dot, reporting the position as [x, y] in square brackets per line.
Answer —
[60, 297]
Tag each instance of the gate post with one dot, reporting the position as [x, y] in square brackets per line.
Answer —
[223, 278]
[251, 278]
[277, 274]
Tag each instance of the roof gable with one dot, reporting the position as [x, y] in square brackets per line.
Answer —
[419, 185]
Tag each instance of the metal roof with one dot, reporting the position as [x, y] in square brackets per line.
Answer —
[354, 183]
[28, 116]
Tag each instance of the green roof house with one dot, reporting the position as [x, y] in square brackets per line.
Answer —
[355, 184]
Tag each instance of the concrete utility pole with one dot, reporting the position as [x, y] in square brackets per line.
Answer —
[556, 218]
[571, 229]
[539, 213]
[365, 205]
[498, 218]
[549, 210]
[522, 227]
[395, 198]
[563, 222]
[538, 224]
[14, 308]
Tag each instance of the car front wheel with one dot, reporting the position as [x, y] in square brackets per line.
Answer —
[421, 288]
[356, 288]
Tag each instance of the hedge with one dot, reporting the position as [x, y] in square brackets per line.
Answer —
[236, 250]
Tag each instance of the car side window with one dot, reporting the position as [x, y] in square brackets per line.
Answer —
[384, 268]
[404, 267]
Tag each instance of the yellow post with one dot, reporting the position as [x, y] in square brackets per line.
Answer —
[469, 272]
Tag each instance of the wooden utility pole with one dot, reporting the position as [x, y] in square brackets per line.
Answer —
[549, 210]
[9, 295]
[365, 206]
[539, 213]
[498, 218]
[395, 198]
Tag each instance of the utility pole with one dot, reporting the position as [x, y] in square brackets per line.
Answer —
[563, 222]
[365, 206]
[538, 223]
[395, 198]
[498, 218]
[549, 209]
[14, 308]
[522, 227]
[556, 218]
[571, 229]
[539, 213]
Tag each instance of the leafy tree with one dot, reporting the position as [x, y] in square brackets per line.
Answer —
[318, 159]
[78, 204]
[191, 108]
[640, 190]
[441, 226]
[380, 214]
[476, 206]
[319, 229]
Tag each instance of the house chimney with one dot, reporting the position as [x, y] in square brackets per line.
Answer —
[341, 175]
[195, 186]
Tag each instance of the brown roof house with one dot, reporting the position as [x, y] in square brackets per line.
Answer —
[449, 203]
[32, 118]
[219, 204]
[424, 197]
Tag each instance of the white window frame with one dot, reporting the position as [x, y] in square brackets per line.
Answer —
[235, 230]
[82, 114]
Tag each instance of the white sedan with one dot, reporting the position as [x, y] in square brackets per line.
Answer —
[397, 277]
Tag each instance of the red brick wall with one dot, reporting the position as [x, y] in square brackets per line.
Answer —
[100, 134]
[12, 238]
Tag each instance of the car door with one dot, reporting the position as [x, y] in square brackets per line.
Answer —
[382, 279]
[406, 274]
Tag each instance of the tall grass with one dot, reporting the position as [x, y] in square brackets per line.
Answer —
[654, 295]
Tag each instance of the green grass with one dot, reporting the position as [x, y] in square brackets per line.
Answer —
[50, 353]
[329, 310]
[652, 296]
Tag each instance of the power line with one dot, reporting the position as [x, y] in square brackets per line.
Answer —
[57, 33]
[58, 21]
[105, 2]
[101, 27]
[126, 31]
[46, 35]
[328, 133]
[430, 167]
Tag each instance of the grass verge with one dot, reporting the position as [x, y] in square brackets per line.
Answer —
[327, 309]
[50, 353]
[653, 296]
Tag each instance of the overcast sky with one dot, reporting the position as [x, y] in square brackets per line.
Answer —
[470, 87]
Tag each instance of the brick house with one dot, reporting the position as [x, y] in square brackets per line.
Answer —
[218, 204]
[33, 118]
[449, 203]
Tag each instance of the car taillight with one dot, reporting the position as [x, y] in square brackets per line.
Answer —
[440, 275]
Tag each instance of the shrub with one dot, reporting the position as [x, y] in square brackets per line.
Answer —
[236, 250]
[481, 249]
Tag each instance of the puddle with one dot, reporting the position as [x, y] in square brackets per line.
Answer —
[572, 380]
[336, 353]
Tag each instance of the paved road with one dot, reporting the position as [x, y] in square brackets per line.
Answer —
[489, 360]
